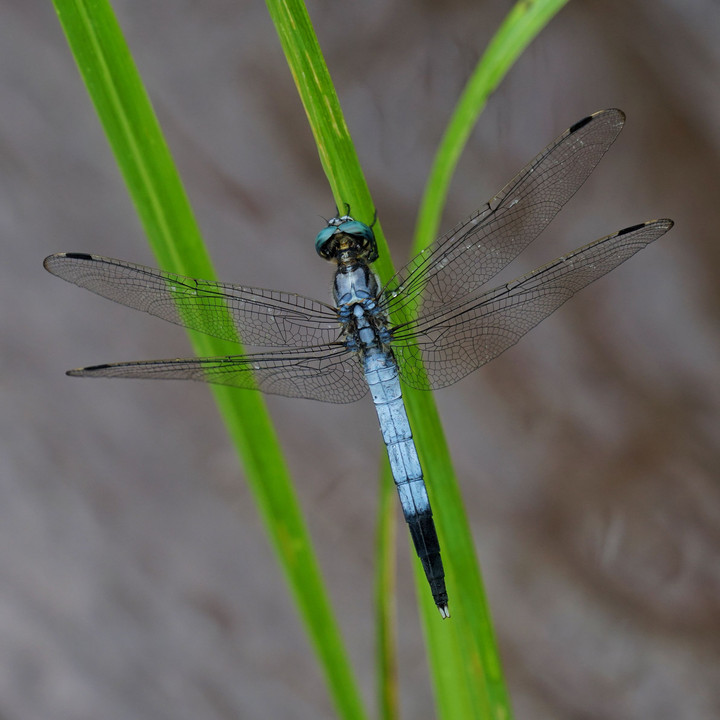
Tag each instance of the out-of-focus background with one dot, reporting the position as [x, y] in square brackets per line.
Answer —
[135, 578]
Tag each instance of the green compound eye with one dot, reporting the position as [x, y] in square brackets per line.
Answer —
[322, 240]
[327, 240]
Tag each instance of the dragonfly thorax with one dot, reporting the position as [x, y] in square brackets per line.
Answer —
[346, 241]
[355, 291]
[355, 285]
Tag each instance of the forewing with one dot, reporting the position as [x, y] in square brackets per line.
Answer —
[458, 339]
[328, 373]
[266, 318]
[479, 248]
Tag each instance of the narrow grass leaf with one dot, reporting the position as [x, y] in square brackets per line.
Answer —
[463, 653]
[476, 641]
[347, 182]
[385, 594]
[129, 121]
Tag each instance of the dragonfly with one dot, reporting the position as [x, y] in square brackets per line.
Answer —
[432, 324]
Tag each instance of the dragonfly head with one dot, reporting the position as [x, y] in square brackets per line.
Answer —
[345, 240]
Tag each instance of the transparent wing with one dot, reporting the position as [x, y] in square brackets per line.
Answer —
[455, 340]
[479, 248]
[329, 373]
[259, 317]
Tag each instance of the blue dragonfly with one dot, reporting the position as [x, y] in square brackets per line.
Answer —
[429, 326]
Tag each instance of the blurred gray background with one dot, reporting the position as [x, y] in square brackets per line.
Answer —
[135, 578]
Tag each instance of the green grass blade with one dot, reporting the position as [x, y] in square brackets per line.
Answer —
[342, 168]
[332, 137]
[476, 638]
[132, 129]
[523, 23]
[463, 652]
[385, 605]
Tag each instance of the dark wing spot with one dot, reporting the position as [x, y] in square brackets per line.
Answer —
[630, 229]
[580, 123]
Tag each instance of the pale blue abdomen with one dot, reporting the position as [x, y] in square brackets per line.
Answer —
[382, 377]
